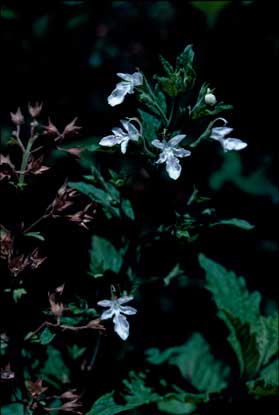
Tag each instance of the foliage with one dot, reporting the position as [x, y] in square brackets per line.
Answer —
[156, 214]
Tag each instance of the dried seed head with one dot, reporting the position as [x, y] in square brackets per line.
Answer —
[35, 110]
[17, 117]
[71, 128]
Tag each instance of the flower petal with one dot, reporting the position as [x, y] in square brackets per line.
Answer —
[176, 140]
[128, 310]
[233, 144]
[124, 144]
[137, 78]
[105, 303]
[218, 133]
[126, 76]
[133, 132]
[173, 167]
[181, 152]
[118, 94]
[118, 131]
[109, 141]
[162, 158]
[107, 314]
[124, 299]
[121, 326]
[158, 144]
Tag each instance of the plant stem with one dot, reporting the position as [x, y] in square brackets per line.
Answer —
[171, 112]
[25, 159]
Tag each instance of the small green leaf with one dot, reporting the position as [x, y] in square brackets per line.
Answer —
[127, 208]
[166, 65]
[104, 256]
[240, 223]
[36, 235]
[46, 336]
[18, 293]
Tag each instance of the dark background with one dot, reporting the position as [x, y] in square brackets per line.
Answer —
[66, 54]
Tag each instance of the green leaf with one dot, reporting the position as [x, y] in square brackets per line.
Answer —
[267, 383]
[230, 293]
[195, 362]
[240, 223]
[239, 309]
[244, 343]
[175, 407]
[136, 395]
[150, 125]
[127, 208]
[36, 235]
[75, 351]
[55, 371]
[186, 58]
[104, 257]
[18, 293]
[267, 337]
[46, 336]
[166, 65]
[108, 201]
[13, 409]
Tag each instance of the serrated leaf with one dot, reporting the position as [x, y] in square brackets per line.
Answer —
[230, 293]
[104, 256]
[195, 362]
[186, 58]
[127, 208]
[268, 337]
[239, 309]
[136, 395]
[239, 223]
[244, 343]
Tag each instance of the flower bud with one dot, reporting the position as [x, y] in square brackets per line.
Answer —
[210, 98]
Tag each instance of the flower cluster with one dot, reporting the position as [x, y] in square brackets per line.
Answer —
[170, 153]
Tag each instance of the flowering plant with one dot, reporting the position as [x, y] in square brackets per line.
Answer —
[144, 228]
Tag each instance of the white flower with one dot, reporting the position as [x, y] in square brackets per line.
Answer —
[170, 154]
[228, 144]
[121, 137]
[124, 87]
[116, 309]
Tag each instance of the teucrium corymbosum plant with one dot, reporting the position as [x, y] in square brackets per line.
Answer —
[153, 147]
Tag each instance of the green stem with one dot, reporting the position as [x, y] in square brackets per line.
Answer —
[171, 113]
[25, 159]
